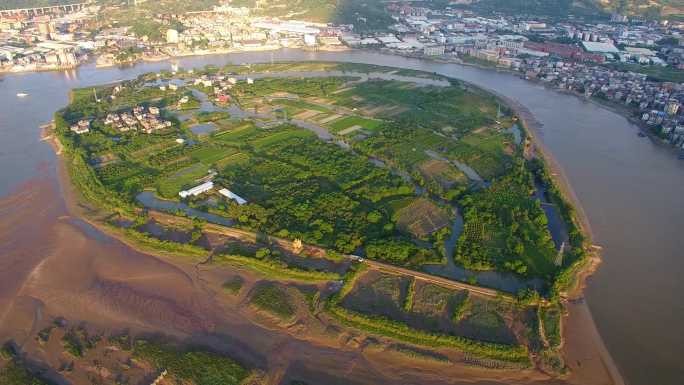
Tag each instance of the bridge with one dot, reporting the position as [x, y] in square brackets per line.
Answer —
[43, 10]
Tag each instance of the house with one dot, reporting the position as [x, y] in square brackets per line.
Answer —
[197, 190]
[82, 127]
[434, 50]
[231, 195]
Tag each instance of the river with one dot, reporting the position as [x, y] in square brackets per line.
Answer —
[630, 187]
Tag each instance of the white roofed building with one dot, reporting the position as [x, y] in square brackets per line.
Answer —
[231, 195]
[197, 190]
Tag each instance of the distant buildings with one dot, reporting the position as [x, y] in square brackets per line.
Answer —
[172, 36]
[82, 127]
[137, 119]
[434, 50]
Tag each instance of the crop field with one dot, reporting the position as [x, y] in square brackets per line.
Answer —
[378, 294]
[486, 321]
[237, 134]
[338, 126]
[436, 309]
[303, 87]
[431, 299]
[296, 106]
[422, 218]
[278, 137]
[232, 160]
[442, 173]
[169, 186]
[211, 154]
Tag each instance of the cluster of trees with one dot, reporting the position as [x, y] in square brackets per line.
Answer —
[314, 191]
[402, 252]
[516, 237]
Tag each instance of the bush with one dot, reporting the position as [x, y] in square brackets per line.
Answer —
[14, 373]
[274, 300]
[233, 285]
[194, 366]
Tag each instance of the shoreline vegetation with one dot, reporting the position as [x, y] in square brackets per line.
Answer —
[568, 286]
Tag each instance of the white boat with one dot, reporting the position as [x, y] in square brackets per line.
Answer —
[22, 95]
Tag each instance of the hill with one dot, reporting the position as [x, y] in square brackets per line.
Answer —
[12, 4]
[559, 8]
[648, 8]
[364, 14]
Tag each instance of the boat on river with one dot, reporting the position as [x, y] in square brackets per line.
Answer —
[21, 95]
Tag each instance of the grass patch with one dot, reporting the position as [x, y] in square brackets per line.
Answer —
[275, 269]
[233, 285]
[193, 366]
[239, 134]
[551, 320]
[350, 121]
[14, 373]
[274, 300]
[211, 154]
[419, 354]
[402, 332]
[169, 186]
[270, 140]
[232, 160]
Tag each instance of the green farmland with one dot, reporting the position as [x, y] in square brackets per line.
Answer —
[386, 181]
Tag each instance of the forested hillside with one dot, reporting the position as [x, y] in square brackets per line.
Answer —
[11, 4]
[648, 8]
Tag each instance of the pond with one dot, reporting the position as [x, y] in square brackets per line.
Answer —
[203, 128]
[150, 201]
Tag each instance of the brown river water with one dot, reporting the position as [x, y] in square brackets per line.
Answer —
[631, 190]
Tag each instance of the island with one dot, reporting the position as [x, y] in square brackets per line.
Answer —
[410, 209]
